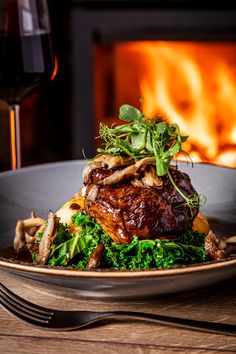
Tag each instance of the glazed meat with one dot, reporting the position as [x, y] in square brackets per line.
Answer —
[141, 203]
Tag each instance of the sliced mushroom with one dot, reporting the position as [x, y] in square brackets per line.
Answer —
[95, 257]
[136, 182]
[120, 175]
[212, 247]
[150, 178]
[92, 193]
[26, 232]
[228, 244]
[107, 161]
[49, 236]
[231, 239]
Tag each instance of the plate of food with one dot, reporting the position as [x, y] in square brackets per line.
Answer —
[133, 222]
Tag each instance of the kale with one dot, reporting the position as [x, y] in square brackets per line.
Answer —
[33, 256]
[66, 251]
[190, 237]
[76, 249]
[145, 254]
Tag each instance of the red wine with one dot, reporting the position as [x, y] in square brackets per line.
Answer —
[25, 63]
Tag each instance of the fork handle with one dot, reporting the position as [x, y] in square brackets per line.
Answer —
[204, 326]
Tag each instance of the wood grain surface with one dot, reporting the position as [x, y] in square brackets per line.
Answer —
[217, 303]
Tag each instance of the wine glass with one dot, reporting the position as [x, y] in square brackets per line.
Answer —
[26, 58]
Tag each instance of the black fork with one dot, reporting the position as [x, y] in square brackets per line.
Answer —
[68, 320]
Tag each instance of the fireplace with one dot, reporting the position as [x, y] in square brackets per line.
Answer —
[181, 60]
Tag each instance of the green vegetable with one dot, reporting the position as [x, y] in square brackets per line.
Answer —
[190, 237]
[145, 254]
[76, 249]
[39, 237]
[68, 246]
[130, 113]
[66, 251]
[193, 201]
[142, 137]
[33, 256]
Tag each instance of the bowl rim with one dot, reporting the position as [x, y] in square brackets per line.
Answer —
[106, 273]
[13, 265]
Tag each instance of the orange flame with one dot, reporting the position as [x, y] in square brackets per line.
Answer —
[55, 70]
[193, 84]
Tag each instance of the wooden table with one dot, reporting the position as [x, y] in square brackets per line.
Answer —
[217, 303]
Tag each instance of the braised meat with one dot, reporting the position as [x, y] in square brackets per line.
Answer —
[133, 205]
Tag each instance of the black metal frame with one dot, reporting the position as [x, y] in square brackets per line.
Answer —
[89, 26]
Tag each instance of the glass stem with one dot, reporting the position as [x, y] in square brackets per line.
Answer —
[14, 111]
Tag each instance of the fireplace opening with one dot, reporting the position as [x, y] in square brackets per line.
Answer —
[181, 60]
[190, 83]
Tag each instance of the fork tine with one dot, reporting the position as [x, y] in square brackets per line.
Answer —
[23, 315]
[36, 309]
[5, 299]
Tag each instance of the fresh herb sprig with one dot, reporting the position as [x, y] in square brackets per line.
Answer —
[142, 137]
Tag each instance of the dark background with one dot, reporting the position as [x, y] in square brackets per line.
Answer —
[45, 116]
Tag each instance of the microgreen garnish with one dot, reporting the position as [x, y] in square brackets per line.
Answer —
[142, 137]
[193, 201]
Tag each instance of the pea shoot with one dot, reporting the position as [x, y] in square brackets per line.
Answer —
[142, 137]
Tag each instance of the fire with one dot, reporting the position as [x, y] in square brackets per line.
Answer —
[192, 84]
[55, 70]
